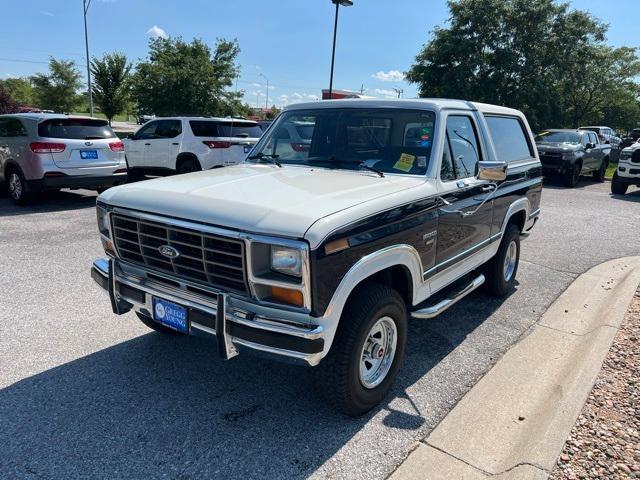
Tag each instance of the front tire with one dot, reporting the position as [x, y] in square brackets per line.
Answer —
[618, 187]
[367, 351]
[599, 175]
[573, 176]
[500, 272]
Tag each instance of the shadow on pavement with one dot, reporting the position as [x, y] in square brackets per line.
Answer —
[48, 202]
[167, 406]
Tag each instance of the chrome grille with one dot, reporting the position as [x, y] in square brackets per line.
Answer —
[204, 258]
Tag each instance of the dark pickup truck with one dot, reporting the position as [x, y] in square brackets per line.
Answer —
[572, 153]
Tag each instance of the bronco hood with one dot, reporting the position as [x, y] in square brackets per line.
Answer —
[257, 198]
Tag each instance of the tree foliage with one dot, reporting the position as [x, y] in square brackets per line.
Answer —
[7, 104]
[181, 78]
[111, 83]
[58, 89]
[19, 89]
[535, 55]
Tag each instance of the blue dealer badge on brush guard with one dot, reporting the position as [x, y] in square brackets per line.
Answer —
[169, 314]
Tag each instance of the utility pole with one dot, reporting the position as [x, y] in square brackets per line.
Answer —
[85, 5]
[266, 103]
[344, 3]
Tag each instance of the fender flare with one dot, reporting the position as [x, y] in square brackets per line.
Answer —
[522, 204]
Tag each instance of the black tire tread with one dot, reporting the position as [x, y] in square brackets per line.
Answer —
[333, 372]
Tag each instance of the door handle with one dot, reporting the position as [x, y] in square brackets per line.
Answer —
[486, 188]
[147, 144]
[175, 143]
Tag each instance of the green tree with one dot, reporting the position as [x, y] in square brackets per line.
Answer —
[19, 89]
[180, 78]
[535, 55]
[7, 104]
[58, 89]
[111, 83]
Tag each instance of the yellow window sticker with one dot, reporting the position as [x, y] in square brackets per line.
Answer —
[405, 163]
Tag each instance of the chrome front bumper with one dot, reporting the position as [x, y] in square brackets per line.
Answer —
[232, 321]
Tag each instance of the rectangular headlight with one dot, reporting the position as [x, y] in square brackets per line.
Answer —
[103, 221]
[286, 260]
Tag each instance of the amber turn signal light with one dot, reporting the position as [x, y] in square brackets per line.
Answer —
[287, 295]
[108, 246]
[336, 246]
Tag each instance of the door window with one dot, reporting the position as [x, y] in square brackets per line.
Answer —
[168, 129]
[593, 138]
[147, 132]
[3, 127]
[463, 142]
[509, 138]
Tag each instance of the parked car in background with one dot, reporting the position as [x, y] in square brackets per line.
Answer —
[606, 135]
[187, 144]
[632, 137]
[41, 151]
[143, 118]
[571, 153]
[321, 256]
[628, 171]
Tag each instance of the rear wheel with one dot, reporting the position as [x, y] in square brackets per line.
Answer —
[599, 174]
[158, 327]
[188, 165]
[366, 354]
[19, 190]
[500, 271]
[618, 187]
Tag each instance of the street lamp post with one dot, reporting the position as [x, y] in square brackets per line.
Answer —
[266, 102]
[344, 3]
[86, 4]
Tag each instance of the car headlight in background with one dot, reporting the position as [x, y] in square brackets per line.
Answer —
[624, 155]
[286, 260]
[103, 221]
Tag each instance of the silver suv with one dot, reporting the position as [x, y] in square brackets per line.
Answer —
[51, 151]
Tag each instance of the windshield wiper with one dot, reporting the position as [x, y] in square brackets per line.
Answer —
[261, 156]
[369, 167]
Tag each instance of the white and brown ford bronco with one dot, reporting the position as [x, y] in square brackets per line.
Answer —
[347, 219]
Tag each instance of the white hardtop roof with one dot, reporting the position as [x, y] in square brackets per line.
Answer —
[419, 103]
[213, 119]
[47, 116]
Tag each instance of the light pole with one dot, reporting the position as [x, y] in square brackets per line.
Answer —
[344, 3]
[266, 102]
[86, 4]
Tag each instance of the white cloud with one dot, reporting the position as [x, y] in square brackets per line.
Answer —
[385, 92]
[258, 85]
[47, 14]
[390, 76]
[156, 32]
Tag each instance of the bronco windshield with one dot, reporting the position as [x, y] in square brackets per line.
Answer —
[385, 139]
[558, 137]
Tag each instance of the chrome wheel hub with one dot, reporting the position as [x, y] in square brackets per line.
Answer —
[378, 352]
[510, 261]
[15, 186]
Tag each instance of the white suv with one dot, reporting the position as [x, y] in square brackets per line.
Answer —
[187, 144]
[628, 171]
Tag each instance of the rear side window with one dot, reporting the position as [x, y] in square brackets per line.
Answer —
[12, 127]
[202, 128]
[75, 128]
[239, 129]
[509, 138]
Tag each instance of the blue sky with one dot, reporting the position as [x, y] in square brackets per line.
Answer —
[288, 41]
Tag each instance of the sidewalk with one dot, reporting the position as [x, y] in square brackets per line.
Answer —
[515, 420]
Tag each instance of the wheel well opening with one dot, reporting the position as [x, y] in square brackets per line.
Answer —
[397, 277]
[183, 157]
[518, 219]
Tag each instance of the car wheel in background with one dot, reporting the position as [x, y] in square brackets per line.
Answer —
[188, 165]
[599, 174]
[17, 186]
[573, 176]
[618, 187]
[367, 351]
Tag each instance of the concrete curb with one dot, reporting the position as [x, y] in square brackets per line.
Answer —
[515, 420]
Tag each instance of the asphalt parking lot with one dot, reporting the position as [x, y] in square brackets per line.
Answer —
[84, 393]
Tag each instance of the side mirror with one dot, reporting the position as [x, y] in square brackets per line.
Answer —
[494, 171]
[591, 145]
[131, 136]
